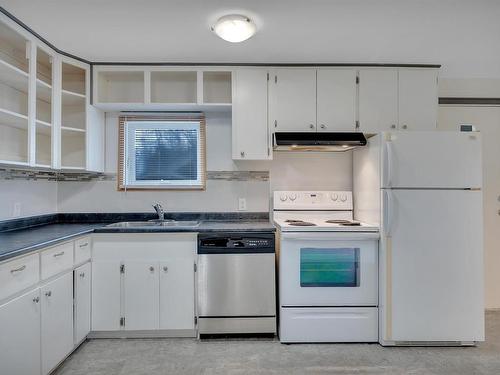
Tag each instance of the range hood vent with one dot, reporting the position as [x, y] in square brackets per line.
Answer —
[320, 141]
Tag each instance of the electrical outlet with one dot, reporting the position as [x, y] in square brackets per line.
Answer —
[16, 211]
[242, 204]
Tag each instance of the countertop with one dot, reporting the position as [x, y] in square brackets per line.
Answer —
[23, 241]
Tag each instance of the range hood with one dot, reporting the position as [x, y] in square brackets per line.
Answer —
[320, 141]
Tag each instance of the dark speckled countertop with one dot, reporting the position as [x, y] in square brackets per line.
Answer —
[57, 228]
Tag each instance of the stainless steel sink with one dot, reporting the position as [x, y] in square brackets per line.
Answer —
[155, 223]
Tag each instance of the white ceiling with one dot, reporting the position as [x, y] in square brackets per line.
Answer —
[462, 35]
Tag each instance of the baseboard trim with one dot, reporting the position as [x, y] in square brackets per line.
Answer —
[166, 333]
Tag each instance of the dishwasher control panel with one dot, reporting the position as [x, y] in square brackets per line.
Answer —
[235, 243]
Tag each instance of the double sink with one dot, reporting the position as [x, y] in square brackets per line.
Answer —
[156, 224]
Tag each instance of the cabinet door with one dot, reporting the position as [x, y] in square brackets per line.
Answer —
[57, 321]
[82, 286]
[293, 100]
[106, 312]
[336, 100]
[20, 335]
[140, 293]
[378, 100]
[250, 123]
[177, 294]
[418, 99]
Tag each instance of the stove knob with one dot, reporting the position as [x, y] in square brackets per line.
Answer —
[343, 197]
[292, 197]
[334, 196]
[283, 197]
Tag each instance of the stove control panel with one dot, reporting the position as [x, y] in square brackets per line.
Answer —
[312, 200]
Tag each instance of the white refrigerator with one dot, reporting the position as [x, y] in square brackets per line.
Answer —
[424, 191]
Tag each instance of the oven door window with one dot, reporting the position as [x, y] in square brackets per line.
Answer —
[329, 267]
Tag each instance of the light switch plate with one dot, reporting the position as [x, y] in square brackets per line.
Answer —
[16, 211]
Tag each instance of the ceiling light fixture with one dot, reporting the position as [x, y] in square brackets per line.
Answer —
[234, 28]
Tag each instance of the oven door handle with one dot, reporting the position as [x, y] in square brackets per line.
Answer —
[330, 236]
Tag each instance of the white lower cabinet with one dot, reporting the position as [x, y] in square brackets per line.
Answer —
[177, 294]
[56, 321]
[106, 295]
[140, 295]
[143, 283]
[82, 287]
[20, 335]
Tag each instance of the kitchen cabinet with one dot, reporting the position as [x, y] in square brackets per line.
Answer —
[82, 286]
[46, 120]
[250, 131]
[292, 100]
[177, 294]
[20, 335]
[378, 100]
[143, 284]
[140, 295]
[418, 99]
[397, 99]
[106, 295]
[56, 300]
[336, 100]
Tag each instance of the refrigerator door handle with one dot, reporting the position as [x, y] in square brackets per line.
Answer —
[387, 213]
[388, 164]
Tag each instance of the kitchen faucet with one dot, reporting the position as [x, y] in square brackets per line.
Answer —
[159, 210]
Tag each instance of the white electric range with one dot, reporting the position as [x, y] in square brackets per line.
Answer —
[328, 269]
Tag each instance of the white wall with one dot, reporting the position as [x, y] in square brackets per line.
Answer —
[287, 171]
[34, 197]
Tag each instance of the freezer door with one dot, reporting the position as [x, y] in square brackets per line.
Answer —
[432, 264]
[437, 159]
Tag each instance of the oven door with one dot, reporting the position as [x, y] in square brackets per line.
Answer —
[328, 269]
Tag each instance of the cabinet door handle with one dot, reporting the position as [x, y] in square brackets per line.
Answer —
[36, 299]
[48, 294]
[322, 126]
[242, 153]
[165, 268]
[82, 274]
[405, 126]
[19, 269]
[84, 244]
[393, 126]
[311, 126]
[58, 254]
[151, 269]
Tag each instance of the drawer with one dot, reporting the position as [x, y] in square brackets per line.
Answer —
[329, 324]
[19, 274]
[82, 249]
[57, 259]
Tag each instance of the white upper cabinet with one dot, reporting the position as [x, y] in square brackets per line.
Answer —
[250, 131]
[292, 100]
[336, 100]
[378, 100]
[418, 99]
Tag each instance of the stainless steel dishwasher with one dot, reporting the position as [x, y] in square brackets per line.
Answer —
[236, 283]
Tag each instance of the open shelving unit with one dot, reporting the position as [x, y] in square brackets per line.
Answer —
[121, 87]
[217, 87]
[73, 117]
[43, 122]
[174, 87]
[14, 85]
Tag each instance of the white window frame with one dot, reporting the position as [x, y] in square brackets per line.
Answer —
[129, 155]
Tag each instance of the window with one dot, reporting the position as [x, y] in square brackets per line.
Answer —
[162, 153]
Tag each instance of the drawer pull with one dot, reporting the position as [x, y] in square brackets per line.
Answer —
[165, 268]
[36, 299]
[58, 254]
[48, 294]
[19, 269]
[84, 244]
[82, 274]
